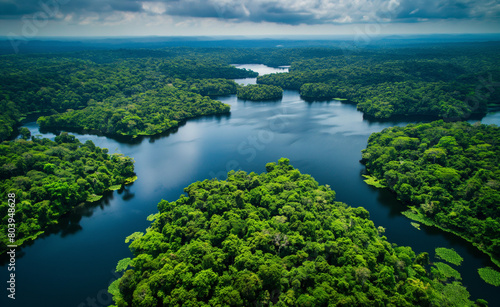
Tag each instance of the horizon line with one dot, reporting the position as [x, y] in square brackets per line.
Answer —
[282, 36]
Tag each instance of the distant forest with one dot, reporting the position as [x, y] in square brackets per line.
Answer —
[453, 82]
[452, 85]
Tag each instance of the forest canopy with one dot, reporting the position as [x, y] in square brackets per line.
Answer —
[278, 239]
[207, 87]
[57, 83]
[390, 82]
[259, 92]
[446, 81]
[49, 178]
[148, 113]
[447, 173]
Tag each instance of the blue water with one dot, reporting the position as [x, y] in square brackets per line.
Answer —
[74, 266]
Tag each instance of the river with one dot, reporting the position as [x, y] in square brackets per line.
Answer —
[74, 265]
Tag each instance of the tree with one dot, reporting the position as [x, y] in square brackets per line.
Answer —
[51, 178]
[25, 133]
[450, 181]
[217, 245]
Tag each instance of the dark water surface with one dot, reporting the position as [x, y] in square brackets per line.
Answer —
[74, 265]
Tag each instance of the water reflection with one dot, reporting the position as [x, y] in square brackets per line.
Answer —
[323, 139]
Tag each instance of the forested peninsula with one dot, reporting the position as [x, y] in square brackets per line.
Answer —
[447, 173]
[149, 113]
[49, 178]
[277, 239]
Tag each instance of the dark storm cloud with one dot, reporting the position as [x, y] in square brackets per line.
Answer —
[277, 11]
[445, 9]
[11, 9]
[255, 11]
[124, 6]
[205, 9]
[334, 11]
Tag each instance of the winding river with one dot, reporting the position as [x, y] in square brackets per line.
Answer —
[74, 265]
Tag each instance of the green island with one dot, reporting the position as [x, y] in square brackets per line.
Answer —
[448, 175]
[453, 82]
[49, 178]
[442, 270]
[274, 239]
[490, 276]
[416, 225]
[260, 92]
[449, 255]
[445, 271]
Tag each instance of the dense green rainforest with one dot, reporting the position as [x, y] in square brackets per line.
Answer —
[49, 178]
[277, 237]
[448, 173]
[125, 96]
[400, 82]
[274, 239]
[260, 92]
[146, 92]
[148, 113]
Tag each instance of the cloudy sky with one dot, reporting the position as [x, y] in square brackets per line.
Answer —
[31, 18]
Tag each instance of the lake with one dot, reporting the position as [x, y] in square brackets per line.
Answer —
[74, 265]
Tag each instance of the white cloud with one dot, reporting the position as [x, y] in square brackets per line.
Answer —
[154, 7]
